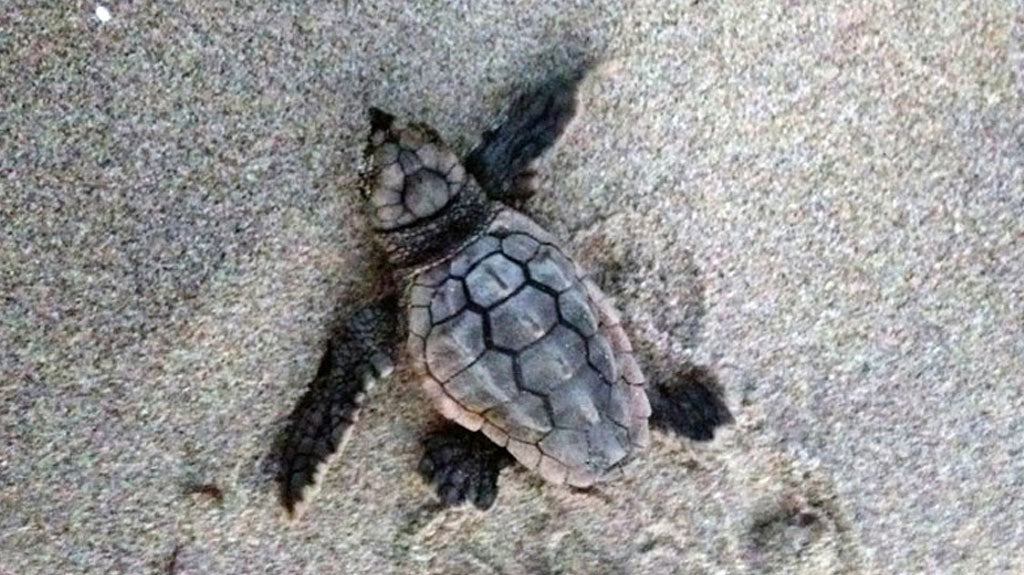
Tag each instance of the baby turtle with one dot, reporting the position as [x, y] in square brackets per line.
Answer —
[509, 337]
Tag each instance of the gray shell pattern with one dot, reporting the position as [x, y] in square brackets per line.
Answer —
[511, 338]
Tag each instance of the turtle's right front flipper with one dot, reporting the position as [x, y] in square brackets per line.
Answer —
[322, 420]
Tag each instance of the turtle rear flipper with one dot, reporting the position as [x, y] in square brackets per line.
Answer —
[691, 407]
[462, 466]
[321, 423]
[502, 162]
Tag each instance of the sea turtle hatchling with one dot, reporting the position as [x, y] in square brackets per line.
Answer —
[509, 337]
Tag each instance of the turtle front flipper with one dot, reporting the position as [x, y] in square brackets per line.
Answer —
[503, 161]
[691, 407]
[462, 466]
[322, 420]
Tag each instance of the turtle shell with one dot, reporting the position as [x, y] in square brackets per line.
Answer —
[509, 337]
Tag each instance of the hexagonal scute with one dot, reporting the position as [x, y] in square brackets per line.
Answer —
[419, 321]
[385, 197]
[526, 453]
[599, 352]
[434, 276]
[526, 418]
[411, 139]
[519, 247]
[548, 365]
[551, 268]
[573, 405]
[391, 177]
[428, 154]
[420, 295]
[630, 369]
[640, 434]
[517, 222]
[582, 477]
[455, 344]
[552, 470]
[575, 310]
[409, 161]
[494, 433]
[487, 383]
[607, 445]
[566, 445]
[456, 175]
[448, 300]
[386, 154]
[426, 193]
[619, 404]
[473, 253]
[523, 319]
[600, 391]
[493, 279]
[416, 348]
[391, 216]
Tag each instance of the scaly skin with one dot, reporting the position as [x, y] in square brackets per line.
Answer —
[577, 402]
[322, 421]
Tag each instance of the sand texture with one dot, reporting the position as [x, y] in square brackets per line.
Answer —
[823, 202]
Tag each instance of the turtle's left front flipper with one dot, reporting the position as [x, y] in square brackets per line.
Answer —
[322, 420]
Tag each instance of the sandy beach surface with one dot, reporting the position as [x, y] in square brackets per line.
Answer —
[822, 202]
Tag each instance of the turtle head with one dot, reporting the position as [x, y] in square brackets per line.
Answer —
[420, 200]
[412, 173]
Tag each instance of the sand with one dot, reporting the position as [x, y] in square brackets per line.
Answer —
[824, 203]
